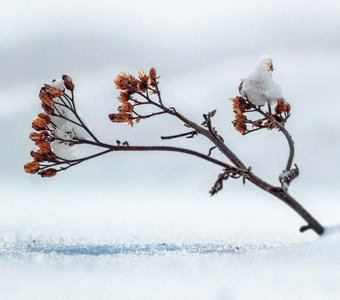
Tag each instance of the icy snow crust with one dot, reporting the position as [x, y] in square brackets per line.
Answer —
[21, 250]
[172, 271]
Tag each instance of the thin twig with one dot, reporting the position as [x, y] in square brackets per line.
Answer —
[169, 137]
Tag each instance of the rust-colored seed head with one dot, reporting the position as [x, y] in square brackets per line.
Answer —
[142, 86]
[239, 123]
[46, 98]
[124, 96]
[68, 82]
[126, 107]
[32, 167]
[45, 147]
[287, 107]
[121, 81]
[132, 80]
[54, 91]
[39, 156]
[47, 109]
[239, 105]
[280, 106]
[121, 118]
[143, 77]
[48, 173]
[46, 117]
[38, 136]
[153, 77]
[240, 118]
[39, 124]
[126, 82]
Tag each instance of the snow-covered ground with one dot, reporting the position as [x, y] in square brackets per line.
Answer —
[309, 271]
[80, 247]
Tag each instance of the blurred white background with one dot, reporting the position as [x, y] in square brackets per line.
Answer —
[201, 49]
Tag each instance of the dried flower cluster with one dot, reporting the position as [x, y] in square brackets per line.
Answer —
[43, 157]
[242, 106]
[60, 124]
[130, 86]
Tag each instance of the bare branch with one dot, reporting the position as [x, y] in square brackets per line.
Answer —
[45, 159]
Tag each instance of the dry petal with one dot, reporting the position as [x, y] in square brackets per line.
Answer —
[143, 77]
[121, 118]
[45, 147]
[121, 81]
[239, 105]
[153, 77]
[280, 106]
[45, 97]
[287, 108]
[126, 107]
[32, 167]
[39, 124]
[123, 96]
[126, 82]
[239, 123]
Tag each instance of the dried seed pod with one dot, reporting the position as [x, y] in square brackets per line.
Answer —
[124, 96]
[239, 105]
[45, 147]
[46, 117]
[39, 124]
[126, 107]
[143, 77]
[239, 123]
[48, 173]
[153, 77]
[68, 82]
[121, 118]
[32, 167]
[280, 106]
[45, 97]
[47, 109]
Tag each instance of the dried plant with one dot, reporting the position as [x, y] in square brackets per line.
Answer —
[61, 124]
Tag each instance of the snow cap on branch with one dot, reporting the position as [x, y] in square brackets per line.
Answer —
[259, 87]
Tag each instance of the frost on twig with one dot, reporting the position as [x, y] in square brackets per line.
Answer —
[286, 177]
[228, 173]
